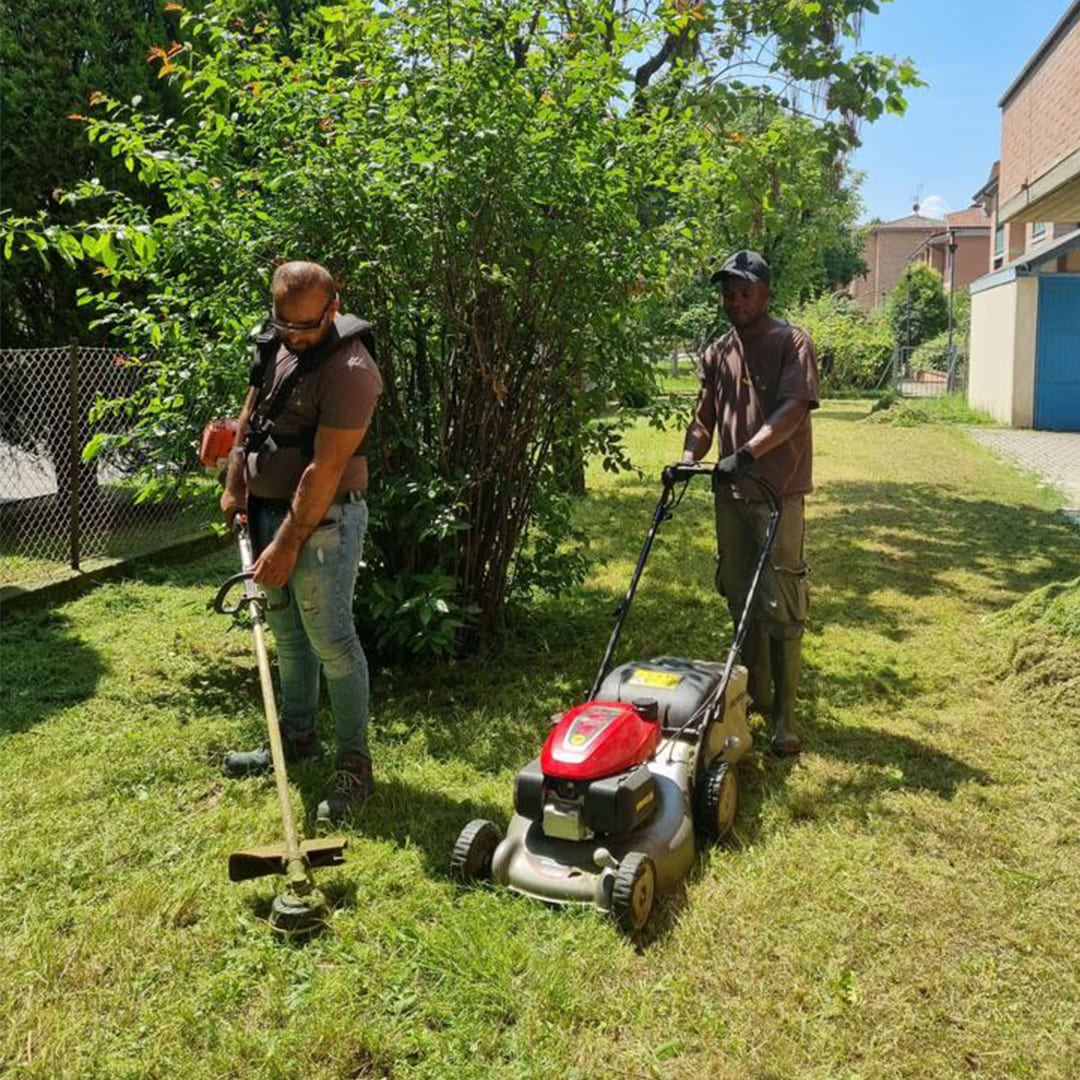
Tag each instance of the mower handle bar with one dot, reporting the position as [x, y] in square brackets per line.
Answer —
[682, 471]
[679, 472]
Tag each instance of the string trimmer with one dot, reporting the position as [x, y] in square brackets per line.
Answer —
[299, 907]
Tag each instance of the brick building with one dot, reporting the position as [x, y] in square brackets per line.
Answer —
[958, 252]
[888, 248]
[956, 246]
[1025, 322]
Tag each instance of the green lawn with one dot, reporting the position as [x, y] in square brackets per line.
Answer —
[900, 903]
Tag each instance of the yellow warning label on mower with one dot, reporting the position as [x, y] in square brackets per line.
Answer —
[666, 680]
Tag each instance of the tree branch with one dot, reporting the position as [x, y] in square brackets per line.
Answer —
[651, 66]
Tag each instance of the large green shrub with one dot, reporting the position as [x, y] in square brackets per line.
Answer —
[493, 192]
[933, 354]
[854, 346]
[917, 306]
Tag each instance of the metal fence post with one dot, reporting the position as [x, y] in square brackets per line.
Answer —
[950, 381]
[74, 455]
[57, 511]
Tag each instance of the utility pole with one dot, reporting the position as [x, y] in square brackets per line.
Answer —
[907, 315]
[950, 384]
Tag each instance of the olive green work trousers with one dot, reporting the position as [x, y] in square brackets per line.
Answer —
[783, 598]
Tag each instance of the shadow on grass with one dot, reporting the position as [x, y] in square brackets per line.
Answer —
[399, 812]
[921, 540]
[864, 540]
[404, 815]
[903, 763]
[46, 668]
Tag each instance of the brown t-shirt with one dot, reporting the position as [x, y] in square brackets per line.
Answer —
[339, 392]
[742, 385]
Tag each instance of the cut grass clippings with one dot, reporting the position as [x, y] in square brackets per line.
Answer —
[1044, 656]
[915, 412]
[899, 904]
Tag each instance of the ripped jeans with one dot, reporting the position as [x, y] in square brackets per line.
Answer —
[316, 629]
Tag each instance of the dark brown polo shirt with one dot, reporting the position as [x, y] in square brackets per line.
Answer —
[743, 385]
[340, 392]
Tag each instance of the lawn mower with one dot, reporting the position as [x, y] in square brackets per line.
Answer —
[606, 816]
[300, 908]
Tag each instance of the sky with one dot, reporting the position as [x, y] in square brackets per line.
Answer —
[969, 51]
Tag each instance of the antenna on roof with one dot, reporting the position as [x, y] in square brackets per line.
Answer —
[917, 198]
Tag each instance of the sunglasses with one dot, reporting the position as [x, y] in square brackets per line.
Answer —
[301, 327]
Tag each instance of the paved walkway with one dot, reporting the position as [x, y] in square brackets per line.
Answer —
[1053, 455]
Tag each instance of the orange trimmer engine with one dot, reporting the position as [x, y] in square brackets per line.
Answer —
[218, 438]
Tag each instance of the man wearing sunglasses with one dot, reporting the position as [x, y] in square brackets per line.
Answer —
[299, 473]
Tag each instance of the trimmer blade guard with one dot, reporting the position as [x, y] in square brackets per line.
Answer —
[258, 862]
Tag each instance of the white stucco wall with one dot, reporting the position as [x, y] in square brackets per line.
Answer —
[1027, 318]
[1001, 370]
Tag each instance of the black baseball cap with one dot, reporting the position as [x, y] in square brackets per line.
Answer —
[748, 265]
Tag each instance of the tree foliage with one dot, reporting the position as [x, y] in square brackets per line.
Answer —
[917, 306]
[505, 190]
[56, 58]
[854, 346]
[776, 185]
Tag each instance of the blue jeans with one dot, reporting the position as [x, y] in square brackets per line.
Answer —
[316, 629]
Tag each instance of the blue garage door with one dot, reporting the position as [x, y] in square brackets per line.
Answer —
[1057, 354]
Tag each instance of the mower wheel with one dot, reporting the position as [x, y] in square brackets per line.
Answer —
[633, 892]
[476, 844]
[716, 802]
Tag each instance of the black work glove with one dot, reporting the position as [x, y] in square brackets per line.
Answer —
[679, 471]
[733, 467]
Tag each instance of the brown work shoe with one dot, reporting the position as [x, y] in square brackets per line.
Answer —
[350, 788]
[254, 762]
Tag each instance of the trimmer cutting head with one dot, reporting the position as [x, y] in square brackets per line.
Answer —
[299, 908]
[298, 915]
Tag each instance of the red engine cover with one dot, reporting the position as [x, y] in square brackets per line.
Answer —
[218, 438]
[598, 739]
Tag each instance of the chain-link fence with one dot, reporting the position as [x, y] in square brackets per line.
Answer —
[910, 381]
[59, 513]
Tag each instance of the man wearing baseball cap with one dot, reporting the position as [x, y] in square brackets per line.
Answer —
[759, 385]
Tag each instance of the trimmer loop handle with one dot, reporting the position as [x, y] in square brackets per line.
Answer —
[253, 597]
[249, 599]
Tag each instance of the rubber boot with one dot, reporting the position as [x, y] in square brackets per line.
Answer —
[351, 787]
[756, 655]
[786, 658]
[240, 763]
